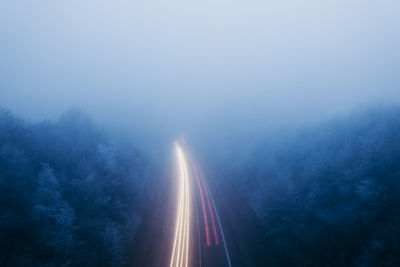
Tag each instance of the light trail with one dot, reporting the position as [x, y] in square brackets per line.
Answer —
[220, 227]
[203, 205]
[180, 249]
[209, 208]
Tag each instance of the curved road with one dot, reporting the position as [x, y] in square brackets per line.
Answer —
[196, 221]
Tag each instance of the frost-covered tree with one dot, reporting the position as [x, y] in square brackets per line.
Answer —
[330, 195]
[69, 195]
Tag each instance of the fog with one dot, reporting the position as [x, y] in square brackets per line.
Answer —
[292, 109]
[176, 66]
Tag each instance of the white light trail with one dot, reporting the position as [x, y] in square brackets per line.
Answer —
[180, 249]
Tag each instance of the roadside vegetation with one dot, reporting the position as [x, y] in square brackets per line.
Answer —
[69, 194]
[329, 195]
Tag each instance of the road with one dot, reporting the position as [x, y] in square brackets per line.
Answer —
[195, 220]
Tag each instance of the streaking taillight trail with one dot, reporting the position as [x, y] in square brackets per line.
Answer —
[180, 255]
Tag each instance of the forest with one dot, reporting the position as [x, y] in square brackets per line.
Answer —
[70, 194]
[328, 194]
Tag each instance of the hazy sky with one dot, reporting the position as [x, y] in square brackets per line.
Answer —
[175, 64]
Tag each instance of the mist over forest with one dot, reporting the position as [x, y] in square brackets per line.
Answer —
[70, 195]
[328, 194]
[291, 108]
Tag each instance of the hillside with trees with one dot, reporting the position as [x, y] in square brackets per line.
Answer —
[329, 195]
[69, 194]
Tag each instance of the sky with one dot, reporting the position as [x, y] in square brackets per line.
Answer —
[178, 65]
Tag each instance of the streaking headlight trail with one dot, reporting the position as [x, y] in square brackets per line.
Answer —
[180, 249]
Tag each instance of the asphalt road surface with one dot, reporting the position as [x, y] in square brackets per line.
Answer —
[197, 219]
